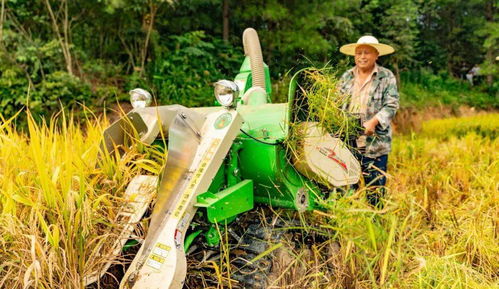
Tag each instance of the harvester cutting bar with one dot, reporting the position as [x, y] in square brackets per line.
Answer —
[196, 150]
[138, 195]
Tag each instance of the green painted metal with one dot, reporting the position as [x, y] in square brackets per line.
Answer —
[277, 183]
[219, 181]
[190, 238]
[212, 237]
[257, 98]
[295, 99]
[293, 84]
[262, 154]
[244, 79]
[228, 203]
[267, 122]
[233, 174]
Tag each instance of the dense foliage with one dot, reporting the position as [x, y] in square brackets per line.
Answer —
[93, 51]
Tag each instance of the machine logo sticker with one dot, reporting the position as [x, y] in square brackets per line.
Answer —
[223, 120]
[329, 153]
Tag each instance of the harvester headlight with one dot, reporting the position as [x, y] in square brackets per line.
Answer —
[140, 98]
[226, 92]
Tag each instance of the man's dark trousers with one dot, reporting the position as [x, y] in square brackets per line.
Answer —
[373, 170]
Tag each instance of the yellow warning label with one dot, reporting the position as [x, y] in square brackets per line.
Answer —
[161, 250]
[155, 261]
[163, 246]
[157, 258]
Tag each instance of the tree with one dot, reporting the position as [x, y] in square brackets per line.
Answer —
[61, 24]
[490, 31]
[401, 31]
[290, 30]
[448, 38]
[392, 22]
[225, 34]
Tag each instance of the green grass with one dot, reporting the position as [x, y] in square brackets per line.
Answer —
[422, 89]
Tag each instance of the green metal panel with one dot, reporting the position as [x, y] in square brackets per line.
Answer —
[212, 237]
[190, 238]
[297, 99]
[267, 122]
[276, 181]
[233, 175]
[218, 182]
[227, 203]
[293, 84]
[244, 79]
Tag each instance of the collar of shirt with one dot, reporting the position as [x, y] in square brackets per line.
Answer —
[349, 74]
[374, 72]
[360, 92]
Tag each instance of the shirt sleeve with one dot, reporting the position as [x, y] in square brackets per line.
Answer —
[390, 102]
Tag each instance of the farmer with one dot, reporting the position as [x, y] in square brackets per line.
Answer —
[374, 99]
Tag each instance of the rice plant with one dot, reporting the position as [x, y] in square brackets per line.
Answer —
[318, 108]
[439, 228]
[59, 197]
[318, 99]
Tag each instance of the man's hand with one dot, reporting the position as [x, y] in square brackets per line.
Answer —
[370, 125]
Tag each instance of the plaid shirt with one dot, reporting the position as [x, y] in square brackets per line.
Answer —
[383, 104]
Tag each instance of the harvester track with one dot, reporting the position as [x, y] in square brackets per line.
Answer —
[246, 258]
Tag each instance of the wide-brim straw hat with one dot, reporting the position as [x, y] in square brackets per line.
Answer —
[383, 49]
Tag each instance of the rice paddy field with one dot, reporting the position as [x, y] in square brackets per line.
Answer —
[439, 228]
[59, 199]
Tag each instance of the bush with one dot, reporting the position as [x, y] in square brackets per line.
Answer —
[31, 76]
[423, 88]
[42, 98]
[184, 71]
[485, 126]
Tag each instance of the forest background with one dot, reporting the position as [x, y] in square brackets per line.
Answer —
[58, 195]
[64, 53]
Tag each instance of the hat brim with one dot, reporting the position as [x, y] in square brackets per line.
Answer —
[383, 49]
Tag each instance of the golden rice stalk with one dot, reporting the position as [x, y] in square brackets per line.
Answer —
[59, 196]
